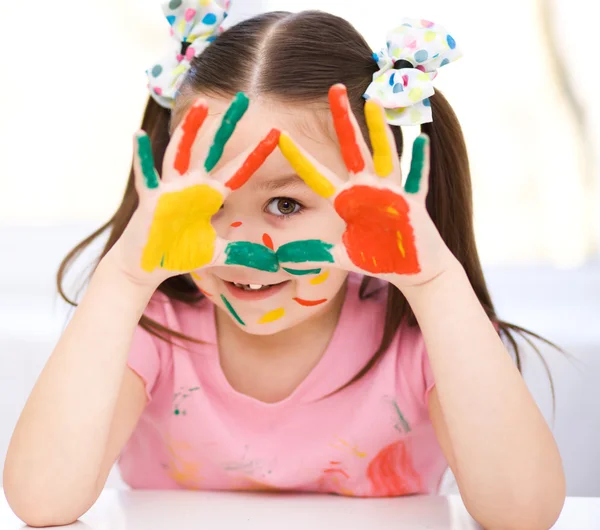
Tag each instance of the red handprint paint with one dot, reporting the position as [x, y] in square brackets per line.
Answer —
[391, 473]
[191, 125]
[379, 237]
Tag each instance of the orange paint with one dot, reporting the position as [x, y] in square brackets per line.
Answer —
[267, 241]
[236, 224]
[332, 463]
[379, 237]
[205, 293]
[309, 303]
[391, 473]
[255, 159]
[191, 125]
[340, 110]
[336, 470]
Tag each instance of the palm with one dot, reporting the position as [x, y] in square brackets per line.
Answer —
[388, 230]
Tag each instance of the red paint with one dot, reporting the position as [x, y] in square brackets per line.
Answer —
[372, 231]
[334, 463]
[255, 159]
[309, 303]
[236, 224]
[267, 241]
[340, 110]
[205, 293]
[191, 125]
[335, 470]
[391, 473]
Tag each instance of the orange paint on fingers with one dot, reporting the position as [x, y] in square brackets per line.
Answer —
[255, 159]
[191, 125]
[344, 128]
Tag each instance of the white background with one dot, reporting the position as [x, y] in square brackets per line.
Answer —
[72, 93]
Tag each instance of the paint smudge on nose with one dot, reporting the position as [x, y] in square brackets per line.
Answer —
[272, 316]
[309, 303]
[320, 279]
[237, 224]
[306, 272]
[251, 255]
[305, 251]
[267, 241]
[232, 311]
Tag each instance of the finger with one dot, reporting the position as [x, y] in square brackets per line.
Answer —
[179, 151]
[249, 162]
[144, 171]
[189, 131]
[385, 154]
[418, 177]
[320, 179]
[232, 116]
[352, 144]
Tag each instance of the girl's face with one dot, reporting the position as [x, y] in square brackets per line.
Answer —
[275, 207]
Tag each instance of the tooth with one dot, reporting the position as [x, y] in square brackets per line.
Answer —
[255, 286]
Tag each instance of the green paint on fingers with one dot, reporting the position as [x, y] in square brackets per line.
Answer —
[251, 255]
[232, 311]
[306, 272]
[234, 114]
[304, 251]
[147, 161]
[413, 181]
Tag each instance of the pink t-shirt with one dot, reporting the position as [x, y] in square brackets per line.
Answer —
[373, 438]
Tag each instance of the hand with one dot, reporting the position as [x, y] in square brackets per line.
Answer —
[170, 232]
[389, 233]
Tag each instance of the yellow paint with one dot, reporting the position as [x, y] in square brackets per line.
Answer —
[320, 278]
[343, 445]
[181, 232]
[196, 277]
[400, 244]
[272, 316]
[382, 151]
[305, 169]
[183, 471]
[392, 211]
[362, 255]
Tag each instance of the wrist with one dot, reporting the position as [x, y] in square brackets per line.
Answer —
[108, 272]
[452, 274]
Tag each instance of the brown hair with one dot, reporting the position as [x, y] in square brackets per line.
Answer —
[282, 55]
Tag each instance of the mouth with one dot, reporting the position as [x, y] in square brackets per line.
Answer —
[254, 291]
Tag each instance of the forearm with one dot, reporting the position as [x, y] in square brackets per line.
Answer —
[59, 441]
[505, 455]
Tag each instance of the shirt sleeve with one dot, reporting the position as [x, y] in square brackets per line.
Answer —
[144, 355]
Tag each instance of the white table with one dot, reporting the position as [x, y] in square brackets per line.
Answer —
[186, 510]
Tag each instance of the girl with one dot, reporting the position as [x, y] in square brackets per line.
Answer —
[305, 322]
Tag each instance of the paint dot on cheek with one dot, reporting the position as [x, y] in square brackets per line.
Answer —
[236, 224]
[320, 279]
[267, 241]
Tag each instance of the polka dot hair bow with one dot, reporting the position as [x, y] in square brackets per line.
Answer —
[194, 25]
[407, 67]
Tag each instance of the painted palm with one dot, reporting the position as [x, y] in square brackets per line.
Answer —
[388, 230]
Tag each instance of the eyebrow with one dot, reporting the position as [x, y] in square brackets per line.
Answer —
[289, 181]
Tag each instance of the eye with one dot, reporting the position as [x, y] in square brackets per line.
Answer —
[282, 206]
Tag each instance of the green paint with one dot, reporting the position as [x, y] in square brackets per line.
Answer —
[405, 424]
[297, 272]
[234, 114]
[304, 251]
[251, 255]
[413, 181]
[232, 311]
[162, 261]
[147, 161]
